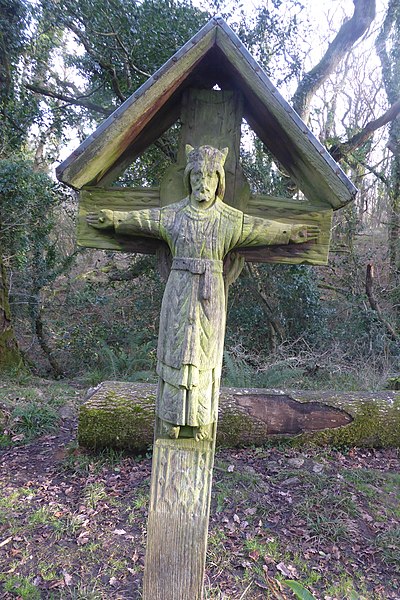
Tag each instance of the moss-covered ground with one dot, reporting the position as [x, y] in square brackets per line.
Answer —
[73, 524]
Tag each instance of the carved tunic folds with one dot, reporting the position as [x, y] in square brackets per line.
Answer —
[192, 321]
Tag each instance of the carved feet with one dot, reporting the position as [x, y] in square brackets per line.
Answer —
[201, 433]
[174, 432]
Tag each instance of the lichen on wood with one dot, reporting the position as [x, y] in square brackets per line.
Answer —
[118, 416]
[121, 415]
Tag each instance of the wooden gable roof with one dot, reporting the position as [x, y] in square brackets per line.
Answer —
[215, 55]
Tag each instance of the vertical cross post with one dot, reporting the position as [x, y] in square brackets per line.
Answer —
[178, 519]
[182, 468]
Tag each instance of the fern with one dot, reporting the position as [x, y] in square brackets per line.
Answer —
[236, 372]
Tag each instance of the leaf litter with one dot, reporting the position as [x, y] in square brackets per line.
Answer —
[72, 521]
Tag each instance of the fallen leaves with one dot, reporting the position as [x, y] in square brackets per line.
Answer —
[67, 578]
[287, 570]
[271, 505]
[83, 538]
[119, 532]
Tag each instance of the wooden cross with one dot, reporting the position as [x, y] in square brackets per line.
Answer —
[213, 118]
[182, 467]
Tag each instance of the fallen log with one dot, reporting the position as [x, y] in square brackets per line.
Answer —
[121, 415]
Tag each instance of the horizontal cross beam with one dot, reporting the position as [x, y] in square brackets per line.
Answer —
[268, 207]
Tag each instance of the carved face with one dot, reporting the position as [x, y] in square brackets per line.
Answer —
[205, 162]
[203, 182]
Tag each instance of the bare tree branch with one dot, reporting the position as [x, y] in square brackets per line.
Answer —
[349, 33]
[69, 99]
[276, 326]
[339, 151]
[125, 50]
[100, 61]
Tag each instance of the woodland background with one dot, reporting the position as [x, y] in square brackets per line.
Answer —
[76, 313]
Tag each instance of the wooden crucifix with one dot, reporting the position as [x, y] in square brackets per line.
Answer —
[203, 223]
[200, 231]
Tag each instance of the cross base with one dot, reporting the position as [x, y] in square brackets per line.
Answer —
[178, 519]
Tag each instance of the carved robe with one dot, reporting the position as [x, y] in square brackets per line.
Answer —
[192, 321]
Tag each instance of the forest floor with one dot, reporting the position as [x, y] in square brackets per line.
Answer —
[73, 524]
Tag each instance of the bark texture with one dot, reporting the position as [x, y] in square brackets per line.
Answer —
[340, 151]
[348, 34]
[10, 356]
[121, 415]
[177, 526]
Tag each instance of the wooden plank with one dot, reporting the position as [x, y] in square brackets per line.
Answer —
[162, 121]
[212, 118]
[125, 199]
[291, 212]
[177, 525]
[144, 116]
[290, 141]
[268, 207]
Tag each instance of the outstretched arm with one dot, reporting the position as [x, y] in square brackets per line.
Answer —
[144, 222]
[263, 232]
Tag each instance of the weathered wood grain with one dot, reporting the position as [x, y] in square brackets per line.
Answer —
[213, 118]
[291, 212]
[214, 55]
[177, 525]
[289, 141]
[268, 207]
[182, 467]
[94, 199]
[124, 127]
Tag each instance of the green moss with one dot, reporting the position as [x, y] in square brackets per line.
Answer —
[231, 428]
[375, 425]
[122, 417]
[10, 356]
[393, 383]
[115, 421]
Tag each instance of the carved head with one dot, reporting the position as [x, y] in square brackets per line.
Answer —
[209, 158]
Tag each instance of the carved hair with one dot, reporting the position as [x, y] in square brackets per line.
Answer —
[213, 158]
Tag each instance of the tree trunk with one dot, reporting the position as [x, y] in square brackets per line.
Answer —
[121, 415]
[387, 47]
[351, 31]
[56, 368]
[394, 225]
[10, 356]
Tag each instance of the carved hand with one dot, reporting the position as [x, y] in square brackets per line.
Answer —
[104, 219]
[304, 233]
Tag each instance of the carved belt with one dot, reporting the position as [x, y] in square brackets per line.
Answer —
[199, 266]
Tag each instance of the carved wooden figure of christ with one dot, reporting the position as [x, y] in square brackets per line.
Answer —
[200, 230]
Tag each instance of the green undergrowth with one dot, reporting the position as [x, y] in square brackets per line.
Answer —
[299, 515]
[298, 523]
[31, 407]
[135, 361]
[291, 373]
[79, 462]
